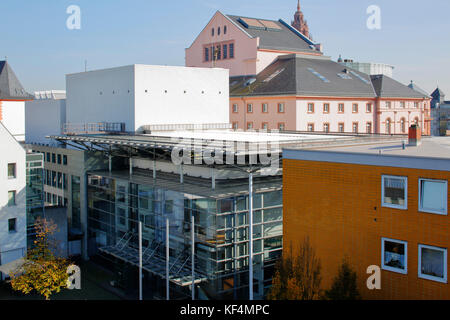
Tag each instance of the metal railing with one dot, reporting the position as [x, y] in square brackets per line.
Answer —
[188, 126]
[93, 128]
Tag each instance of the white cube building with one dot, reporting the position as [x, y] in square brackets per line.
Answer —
[141, 95]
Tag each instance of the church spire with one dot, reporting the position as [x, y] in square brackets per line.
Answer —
[299, 22]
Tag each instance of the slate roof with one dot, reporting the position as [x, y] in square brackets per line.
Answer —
[438, 93]
[293, 75]
[415, 87]
[386, 87]
[10, 87]
[286, 38]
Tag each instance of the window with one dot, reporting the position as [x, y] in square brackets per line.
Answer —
[53, 158]
[60, 182]
[402, 125]
[394, 255]
[224, 29]
[206, 54]
[53, 179]
[281, 126]
[310, 107]
[369, 107]
[394, 192]
[326, 108]
[235, 108]
[355, 127]
[122, 216]
[402, 104]
[219, 52]
[388, 104]
[65, 160]
[59, 159]
[281, 107]
[249, 108]
[225, 51]
[11, 198]
[265, 126]
[355, 108]
[326, 127]
[249, 125]
[12, 225]
[310, 127]
[433, 196]
[369, 127]
[341, 108]
[218, 31]
[265, 108]
[48, 156]
[11, 170]
[341, 127]
[388, 126]
[212, 32]
[231, 50]
[416, 121]
[416, 105]
[432, 263]
[235, 125]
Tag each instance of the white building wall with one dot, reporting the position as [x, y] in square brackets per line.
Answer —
[180, 95]
[101, 96]
[14, 118]
[44, 118]
[12, 245]
[141, 95]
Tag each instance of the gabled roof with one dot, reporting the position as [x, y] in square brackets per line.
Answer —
[386, 87]
[305, 76]
[415, 87]
[10, 87]
[275, 35]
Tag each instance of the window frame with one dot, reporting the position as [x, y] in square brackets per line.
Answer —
[251, 107]
[328, 105]
[353, 108]
[307, 107]
[15, 225]
[390, 205]
[369, 124]
[265, 123]
[281, 124]
[252, 125]
[283, 107]
[312, 127]
[343, 107]
[14, 176]
[14, 192]
[233, 109]
[392, 269]
[339, 127]
[357, 127]
[327, 124]
[419, 264]
[368, 107]
[425, 210]
[267, 107]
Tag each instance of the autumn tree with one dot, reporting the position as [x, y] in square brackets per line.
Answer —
[344, 285]
[297, 276]
[42, 271]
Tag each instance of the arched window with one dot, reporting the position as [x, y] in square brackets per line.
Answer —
[403, 125]
[388, 126]
[224, 29]
[218, 31]
[212, 32]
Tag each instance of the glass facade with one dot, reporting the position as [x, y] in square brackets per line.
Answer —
[221, 231]
[34, 191]
[76, 205]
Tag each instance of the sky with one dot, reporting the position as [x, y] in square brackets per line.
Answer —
[414, 35]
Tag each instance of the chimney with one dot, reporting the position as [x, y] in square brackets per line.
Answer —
[415, 135]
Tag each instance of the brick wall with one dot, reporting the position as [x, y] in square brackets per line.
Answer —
[339, 207]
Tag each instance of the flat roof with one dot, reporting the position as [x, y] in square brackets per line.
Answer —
[432, 154]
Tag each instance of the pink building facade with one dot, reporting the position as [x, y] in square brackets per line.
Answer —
[279, 79]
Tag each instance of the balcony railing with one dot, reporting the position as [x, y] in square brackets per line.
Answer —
[93, 128]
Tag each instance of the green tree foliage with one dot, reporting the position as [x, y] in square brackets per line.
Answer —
[344, 285]
[42, 271]
[297, 276]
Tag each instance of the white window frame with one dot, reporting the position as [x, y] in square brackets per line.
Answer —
[421, 209]
[235, 108]
[390, 205]
[419, 264]
[388, 268]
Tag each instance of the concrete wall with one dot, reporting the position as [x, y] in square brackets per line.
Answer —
[144, 95]
[101, 96]
[12, 245]
[43, 118]
[13, 118]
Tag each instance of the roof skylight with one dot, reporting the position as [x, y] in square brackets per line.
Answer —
[359, 77]
[318, 75]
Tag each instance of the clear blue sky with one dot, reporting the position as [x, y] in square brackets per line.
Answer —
[415, 35]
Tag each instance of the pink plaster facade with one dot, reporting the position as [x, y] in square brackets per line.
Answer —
[347, 115]
[248, 58]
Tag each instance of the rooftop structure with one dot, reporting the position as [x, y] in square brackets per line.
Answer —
[370, 68]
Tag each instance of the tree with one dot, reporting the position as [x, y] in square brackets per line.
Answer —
[344, 285]
[297, 277]
[42, 271]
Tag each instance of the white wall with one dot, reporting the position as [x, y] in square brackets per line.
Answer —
[44, 118]
[14, 118]
[101, 96]
[205, 101]
[12, 245]
[137, 96]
